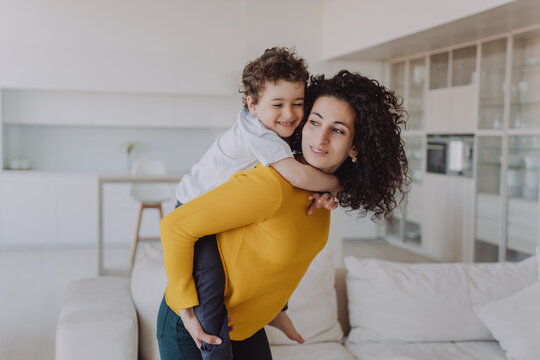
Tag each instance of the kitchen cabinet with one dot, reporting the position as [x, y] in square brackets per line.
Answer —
[507, 207]
[489, 88]
[408, 79]
[452, 110]
[492, 84]
[416, 93]
[448, 217]
[49, 209]
[525, 88]
[451, 101]
[489, 226]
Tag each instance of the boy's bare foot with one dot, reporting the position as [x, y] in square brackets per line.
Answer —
[283, 322]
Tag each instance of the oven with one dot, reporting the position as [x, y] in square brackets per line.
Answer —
[450, 154]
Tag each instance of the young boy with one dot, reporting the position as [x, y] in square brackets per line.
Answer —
[273, 86]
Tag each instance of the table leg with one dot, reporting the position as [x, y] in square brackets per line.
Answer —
[100, 230]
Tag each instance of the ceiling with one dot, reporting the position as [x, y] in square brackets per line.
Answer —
[505, 18]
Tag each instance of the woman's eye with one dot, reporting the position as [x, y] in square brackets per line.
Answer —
[298, 105]
[277, 105]
[338, 131]
[313, 122]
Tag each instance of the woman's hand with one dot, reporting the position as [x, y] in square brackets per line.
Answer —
[326, 200]
[283, 322]
[194, 328]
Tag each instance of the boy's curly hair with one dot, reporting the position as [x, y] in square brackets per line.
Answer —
[277, 63]
[378, 182]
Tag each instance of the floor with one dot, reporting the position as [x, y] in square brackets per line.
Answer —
[33, 284]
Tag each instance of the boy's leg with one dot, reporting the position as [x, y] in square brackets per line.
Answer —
[254, 347]
[174, 341]
[211, 311]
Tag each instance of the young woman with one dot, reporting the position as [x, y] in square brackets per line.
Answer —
[266, 240]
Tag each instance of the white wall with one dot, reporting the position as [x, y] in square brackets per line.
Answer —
[164, 54]
[352, 25]
[163, 46]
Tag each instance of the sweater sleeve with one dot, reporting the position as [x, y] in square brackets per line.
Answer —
[248, 197]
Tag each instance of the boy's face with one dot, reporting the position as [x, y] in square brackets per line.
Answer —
[280, 107]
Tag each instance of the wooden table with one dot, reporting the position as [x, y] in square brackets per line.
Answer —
[123, 179]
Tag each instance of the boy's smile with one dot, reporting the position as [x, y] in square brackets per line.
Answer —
[280, 107]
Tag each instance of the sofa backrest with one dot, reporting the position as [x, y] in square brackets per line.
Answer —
[427, 302]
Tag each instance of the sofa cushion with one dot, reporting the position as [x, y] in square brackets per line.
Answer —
[427, 302]
[322, 351]
[515, 322]
[463, 350]
[313, 305]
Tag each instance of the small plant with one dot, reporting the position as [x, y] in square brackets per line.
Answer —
[129, 146]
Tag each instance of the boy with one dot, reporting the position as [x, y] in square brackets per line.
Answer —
[273, 86]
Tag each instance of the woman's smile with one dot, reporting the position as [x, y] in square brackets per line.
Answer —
[318, 151]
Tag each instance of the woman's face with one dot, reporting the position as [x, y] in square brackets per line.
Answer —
[328, 134]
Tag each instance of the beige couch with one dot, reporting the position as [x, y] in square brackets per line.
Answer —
[397, 311]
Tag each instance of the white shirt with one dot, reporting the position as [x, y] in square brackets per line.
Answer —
[243, 146]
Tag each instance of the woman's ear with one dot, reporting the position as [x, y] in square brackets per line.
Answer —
[252, 107]
[353, 155]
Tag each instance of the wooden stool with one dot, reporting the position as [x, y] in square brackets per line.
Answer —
[138, 228]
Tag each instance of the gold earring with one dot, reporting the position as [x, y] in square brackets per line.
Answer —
[354, 159]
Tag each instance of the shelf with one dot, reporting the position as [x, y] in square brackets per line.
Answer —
[526, 66]
[492, 69]
[490, 163]
[525, 103]
[488, 105]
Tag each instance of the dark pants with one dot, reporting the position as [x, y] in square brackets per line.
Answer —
[175, 343]
[209, 280]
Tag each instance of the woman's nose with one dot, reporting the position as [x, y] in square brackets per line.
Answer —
[324, 137]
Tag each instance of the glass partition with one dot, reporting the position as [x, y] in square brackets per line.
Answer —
[488, 200]
[415, 101]
[522, 181]
[464, 66]
[525, 90]
[438, 71]
[492, 78]
[397, 78]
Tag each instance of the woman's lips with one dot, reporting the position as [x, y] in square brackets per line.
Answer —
[317, 152]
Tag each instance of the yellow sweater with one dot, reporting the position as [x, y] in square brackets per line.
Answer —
[265, 238]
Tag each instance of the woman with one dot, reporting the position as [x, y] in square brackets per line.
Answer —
[266, 239]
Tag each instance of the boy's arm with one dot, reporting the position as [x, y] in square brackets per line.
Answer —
[306, 176]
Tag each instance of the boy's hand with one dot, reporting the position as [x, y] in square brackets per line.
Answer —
[283, 322]
[194, 328]
[326, 200]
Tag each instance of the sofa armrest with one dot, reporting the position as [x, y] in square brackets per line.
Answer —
[97, 321]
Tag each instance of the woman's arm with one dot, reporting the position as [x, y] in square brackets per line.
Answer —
[306, 176]
[248, 197]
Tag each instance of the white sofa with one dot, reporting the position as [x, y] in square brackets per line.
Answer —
[397, 311]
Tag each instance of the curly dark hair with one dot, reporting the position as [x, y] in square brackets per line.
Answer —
[277, 63]
[378, 181]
